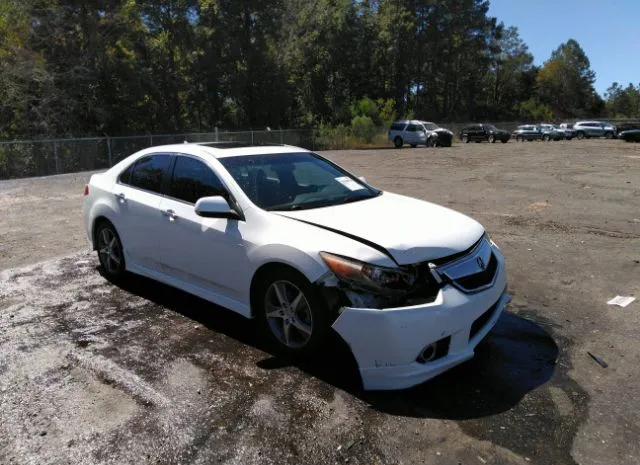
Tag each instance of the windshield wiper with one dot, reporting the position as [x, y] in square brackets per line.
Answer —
[357, 199]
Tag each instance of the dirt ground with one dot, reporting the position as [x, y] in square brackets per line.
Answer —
[139, 373]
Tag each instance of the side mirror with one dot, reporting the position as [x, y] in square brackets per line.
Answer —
[215, 207]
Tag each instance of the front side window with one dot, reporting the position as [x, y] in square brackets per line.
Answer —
[412, 128]
[295, 181]
[192, 180]
[149, 173]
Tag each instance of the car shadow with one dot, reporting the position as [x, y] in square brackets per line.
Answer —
[516, 358]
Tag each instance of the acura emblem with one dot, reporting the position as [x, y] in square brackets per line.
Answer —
[480, 263]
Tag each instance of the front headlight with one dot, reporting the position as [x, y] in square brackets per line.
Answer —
[361, 275]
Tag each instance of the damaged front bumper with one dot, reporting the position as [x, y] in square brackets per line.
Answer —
[389, 344]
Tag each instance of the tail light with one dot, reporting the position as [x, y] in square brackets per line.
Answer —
[86, 190]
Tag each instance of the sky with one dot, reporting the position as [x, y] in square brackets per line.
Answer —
[608, 32]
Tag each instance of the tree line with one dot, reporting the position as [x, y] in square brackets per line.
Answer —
[90, 67]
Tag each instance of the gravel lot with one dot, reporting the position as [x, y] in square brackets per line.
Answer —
[95, 373]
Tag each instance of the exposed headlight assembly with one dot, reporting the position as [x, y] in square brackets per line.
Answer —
[361, 275]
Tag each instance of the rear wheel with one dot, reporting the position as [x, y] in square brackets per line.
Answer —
[413, 146]
[608, 135]
[290, 312]
[110, 251]
[580, 135]
[398, 142]
[465, 139]
[504, 141]
[546, 138]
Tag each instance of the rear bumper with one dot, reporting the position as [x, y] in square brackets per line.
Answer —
[387, 343]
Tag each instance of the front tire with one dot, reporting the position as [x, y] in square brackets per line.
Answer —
[398, 142]
[580, 135]
[292, 315]
[546, 138]
[110, 250]
[492, 139]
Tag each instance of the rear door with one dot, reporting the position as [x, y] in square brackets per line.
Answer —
[482, 133]
[138, 191]
[595, 129]
[206, 252]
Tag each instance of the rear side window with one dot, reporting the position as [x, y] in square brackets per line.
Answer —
[149, 173]
[125, 176]
[397, 126]
[192, 180]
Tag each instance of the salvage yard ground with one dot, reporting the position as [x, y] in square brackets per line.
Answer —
[99, 374]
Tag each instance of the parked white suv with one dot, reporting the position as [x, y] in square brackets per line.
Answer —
[417, 132]
[285, 236]
[586, 129]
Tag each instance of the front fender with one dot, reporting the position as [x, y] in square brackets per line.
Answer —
[311, 268]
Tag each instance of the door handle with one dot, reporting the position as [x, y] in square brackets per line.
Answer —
[170, 214]
[121, 197]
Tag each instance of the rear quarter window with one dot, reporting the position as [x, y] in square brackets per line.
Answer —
[150, 172]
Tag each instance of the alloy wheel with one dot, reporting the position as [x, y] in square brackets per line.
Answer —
[110, 251]
[288, 314]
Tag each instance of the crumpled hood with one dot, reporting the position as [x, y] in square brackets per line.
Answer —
[411, 230]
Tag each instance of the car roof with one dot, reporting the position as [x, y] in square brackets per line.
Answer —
[412, 121]
[225, 149]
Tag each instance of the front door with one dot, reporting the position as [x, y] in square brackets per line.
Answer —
[138, 193]
[412, 134]
[209, 253]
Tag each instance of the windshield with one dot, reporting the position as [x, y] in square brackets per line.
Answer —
[295, 181]
[430, 126]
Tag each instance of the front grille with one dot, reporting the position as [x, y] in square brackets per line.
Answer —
[481, 279]
[482, 320]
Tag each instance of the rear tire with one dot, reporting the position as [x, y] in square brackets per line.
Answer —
[413, 146]
[398, 142]
[504, 141]
[110, 250]
[546, 138]
[290, 312]
[580, 135]
[465, 139]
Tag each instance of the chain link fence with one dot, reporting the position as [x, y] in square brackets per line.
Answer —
[28, 158]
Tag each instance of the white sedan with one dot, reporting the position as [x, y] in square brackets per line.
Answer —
[281, 234]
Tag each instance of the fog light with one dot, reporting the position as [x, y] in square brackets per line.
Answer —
[435, 351]
[428, 353]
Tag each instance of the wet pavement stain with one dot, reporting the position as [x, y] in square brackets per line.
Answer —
[498, 396]
[233, 395]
